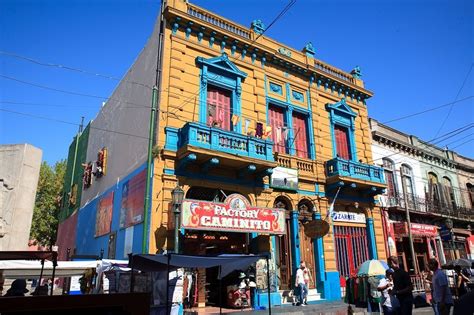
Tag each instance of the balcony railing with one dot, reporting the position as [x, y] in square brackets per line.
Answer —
[357, 170]
[305, 167]
[428, 205]
[216, 139]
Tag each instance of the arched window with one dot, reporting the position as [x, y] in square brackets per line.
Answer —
[433, 190]
[449, 192]
[407, 180]
[389, 172]
[470, 191]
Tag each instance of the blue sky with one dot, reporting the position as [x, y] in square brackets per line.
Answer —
[414, 55]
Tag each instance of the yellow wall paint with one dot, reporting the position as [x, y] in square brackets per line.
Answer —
[179, 103]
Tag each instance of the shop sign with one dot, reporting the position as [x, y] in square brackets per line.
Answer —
[470, 246]
[234, 215]
[342, 216]
[284, 178]
[416, 229]
[316, 228]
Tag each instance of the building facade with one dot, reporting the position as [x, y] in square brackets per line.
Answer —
[425, 180]
[19, 173]
[263, 139]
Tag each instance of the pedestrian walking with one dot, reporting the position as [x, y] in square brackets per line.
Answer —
[402, 287]
[300, 284]
[390, 302]
[460, 280]
[442, 298]
[307, 279]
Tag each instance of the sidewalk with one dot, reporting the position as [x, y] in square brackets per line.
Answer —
[319, 307]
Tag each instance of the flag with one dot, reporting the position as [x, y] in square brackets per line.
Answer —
[331, 206]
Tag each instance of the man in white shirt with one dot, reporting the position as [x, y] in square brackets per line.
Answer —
[386, 286]
[442, 298]
[300, 284]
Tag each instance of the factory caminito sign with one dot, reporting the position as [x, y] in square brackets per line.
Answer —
[234, 215]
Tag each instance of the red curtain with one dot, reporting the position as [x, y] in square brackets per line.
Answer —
[277, 122]
[218, 108]
[342, 142]
[299, 132]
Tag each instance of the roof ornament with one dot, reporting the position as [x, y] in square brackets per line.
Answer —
[258, 27]
[309, 49]
[356, 72]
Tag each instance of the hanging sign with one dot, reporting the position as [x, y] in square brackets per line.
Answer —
[352, 217]
[284, 178]
[234, 215]
[316, 228]
[401, 229]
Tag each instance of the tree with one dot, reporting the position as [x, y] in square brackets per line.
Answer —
[48, 203]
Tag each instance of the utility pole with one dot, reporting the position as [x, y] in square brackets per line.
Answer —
[149, 165]
[407, 212]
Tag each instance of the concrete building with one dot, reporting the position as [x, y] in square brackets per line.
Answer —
[19, 173]
[426, 180]
[261, 137]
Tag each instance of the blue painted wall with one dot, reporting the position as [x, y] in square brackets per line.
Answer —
[88, 244]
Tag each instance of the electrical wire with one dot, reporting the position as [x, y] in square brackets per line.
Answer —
[284, 10]
[457, 95]
[60, 66]
[427, 110]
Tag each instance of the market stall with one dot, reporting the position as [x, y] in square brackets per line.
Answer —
[225, 263]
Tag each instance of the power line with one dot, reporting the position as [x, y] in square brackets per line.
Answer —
[63, 67]
[457, 95]
[427, 110]
[60, 106]
[465, 142]
[70, 123]
[284, 10]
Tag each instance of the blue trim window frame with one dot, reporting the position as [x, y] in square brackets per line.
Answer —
[220, 72]
[340, 114]
[288, 109]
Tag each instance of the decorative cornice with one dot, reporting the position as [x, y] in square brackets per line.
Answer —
[333, 79]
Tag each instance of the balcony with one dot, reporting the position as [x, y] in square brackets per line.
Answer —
[357, 175]
[429, 206]
[211, 147]
[307, 169]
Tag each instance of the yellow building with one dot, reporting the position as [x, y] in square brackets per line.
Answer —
[240, 113]
[262, 138]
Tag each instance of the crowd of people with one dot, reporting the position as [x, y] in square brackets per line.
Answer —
[396, 291]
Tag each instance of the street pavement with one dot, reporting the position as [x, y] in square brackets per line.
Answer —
[330, 308]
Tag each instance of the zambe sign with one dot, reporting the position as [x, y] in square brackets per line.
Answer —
[234, 215]
[342, 216]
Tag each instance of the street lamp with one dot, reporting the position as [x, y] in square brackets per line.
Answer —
[178, 196]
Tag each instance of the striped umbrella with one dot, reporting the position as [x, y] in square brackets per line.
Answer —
[372, 268]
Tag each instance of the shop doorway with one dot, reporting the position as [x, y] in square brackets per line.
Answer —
[306, 209]
[202, 242]
[283, 248]
[351, 248]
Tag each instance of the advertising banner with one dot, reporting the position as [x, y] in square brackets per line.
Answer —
[234, 215]
[416, 229]
[284, 178]
[103, 219]
[133, 200]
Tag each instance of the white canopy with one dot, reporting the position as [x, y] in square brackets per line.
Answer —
[32, 268]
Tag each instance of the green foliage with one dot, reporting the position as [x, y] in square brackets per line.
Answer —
[48, 203]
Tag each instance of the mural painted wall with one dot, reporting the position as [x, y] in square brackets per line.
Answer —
[98, 224]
